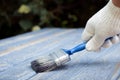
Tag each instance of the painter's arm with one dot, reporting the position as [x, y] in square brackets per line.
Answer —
[104, 24]
[116, 2]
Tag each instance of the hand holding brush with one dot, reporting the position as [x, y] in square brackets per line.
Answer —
[104, 24]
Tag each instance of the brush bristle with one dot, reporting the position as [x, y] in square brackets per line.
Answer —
[43, 64]
[51, 61]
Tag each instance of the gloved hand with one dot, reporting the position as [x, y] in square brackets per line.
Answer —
[104, 24]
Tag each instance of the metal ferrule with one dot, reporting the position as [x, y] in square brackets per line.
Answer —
[60, 57]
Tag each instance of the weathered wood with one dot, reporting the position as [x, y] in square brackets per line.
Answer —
[17, 52]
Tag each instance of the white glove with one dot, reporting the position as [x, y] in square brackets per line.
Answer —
[104, 24]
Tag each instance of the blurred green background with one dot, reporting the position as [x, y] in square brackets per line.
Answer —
[20, 16]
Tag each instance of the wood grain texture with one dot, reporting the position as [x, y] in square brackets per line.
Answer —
[17, 52]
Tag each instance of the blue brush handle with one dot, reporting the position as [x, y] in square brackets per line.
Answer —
[78, 48]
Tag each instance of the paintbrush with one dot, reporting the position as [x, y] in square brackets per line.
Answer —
[56, 59]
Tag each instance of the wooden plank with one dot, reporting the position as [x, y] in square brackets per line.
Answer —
[15, 63]
[13, 60]
[22, 39]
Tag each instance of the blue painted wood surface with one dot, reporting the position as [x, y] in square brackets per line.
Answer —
[17, 52]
